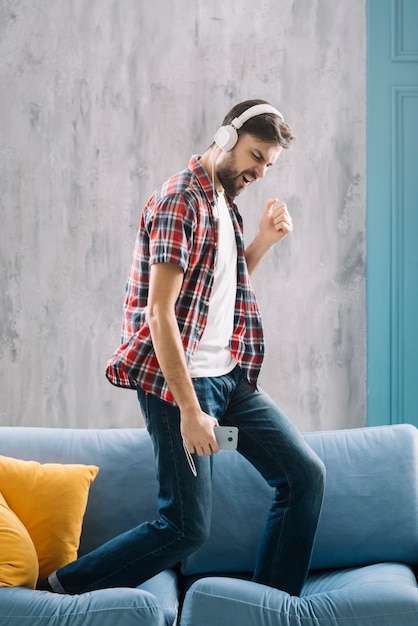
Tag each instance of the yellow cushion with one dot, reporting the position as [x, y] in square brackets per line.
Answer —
[50, 501]
[18, 558]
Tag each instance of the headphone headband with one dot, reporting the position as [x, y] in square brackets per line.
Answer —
[257, 109]
[226, 136]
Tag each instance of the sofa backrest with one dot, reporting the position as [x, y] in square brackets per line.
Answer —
[125, 490]
[370, 511]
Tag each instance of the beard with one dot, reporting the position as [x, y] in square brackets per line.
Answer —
[231, 180]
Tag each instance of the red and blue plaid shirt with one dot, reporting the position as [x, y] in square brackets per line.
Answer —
[178, 226]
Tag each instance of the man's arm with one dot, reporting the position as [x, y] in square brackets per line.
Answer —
[196, 426]
[275, 224]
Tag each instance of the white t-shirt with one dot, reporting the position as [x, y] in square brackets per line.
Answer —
[213, 356]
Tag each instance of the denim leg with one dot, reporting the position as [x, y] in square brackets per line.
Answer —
[184, 507]
[280, 453]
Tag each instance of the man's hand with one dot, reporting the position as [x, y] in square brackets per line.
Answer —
[275, 224]
[197, 429]
[275, 221]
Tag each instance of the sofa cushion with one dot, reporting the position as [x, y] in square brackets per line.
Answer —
[18, 559]
[377, 595]
[50, 501]
[105, 607]
[164, 587]
[370, 510]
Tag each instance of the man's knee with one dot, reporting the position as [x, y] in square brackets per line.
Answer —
[193, 539]
[313, 475]
[188, 536]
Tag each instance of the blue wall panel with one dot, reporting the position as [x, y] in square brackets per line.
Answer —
[392, 211]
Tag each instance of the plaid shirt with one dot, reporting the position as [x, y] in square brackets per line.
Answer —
[178, 226]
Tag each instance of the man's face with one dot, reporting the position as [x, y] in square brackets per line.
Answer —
[245, 163]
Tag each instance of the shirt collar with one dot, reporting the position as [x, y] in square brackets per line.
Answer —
[203, 178]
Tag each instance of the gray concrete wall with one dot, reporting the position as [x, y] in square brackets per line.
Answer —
[100, 101]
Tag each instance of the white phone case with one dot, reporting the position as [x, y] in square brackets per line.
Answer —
[227, 437]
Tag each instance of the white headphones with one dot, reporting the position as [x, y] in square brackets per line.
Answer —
[226, 136]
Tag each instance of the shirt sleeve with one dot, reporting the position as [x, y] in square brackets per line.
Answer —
[171, 227]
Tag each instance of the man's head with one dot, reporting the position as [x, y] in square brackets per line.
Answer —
[269, 126]
[260, 140]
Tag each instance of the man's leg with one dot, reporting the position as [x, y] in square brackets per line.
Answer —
[184, 503]
[277, 449]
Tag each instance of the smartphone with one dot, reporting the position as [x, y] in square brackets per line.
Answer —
[227, 437]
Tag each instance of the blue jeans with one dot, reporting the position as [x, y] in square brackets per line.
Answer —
[268, 440]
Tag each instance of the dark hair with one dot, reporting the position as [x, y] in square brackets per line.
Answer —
[267, 126]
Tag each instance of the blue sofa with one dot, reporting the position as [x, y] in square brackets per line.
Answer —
[364, 554]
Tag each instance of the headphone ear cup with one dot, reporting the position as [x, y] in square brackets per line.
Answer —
[226, 137]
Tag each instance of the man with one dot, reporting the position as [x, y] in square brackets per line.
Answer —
[192, 347]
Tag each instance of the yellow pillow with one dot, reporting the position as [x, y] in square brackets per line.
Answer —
[50, 501]
[18, 559]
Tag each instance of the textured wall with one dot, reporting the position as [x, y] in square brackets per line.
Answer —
[100, 101]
